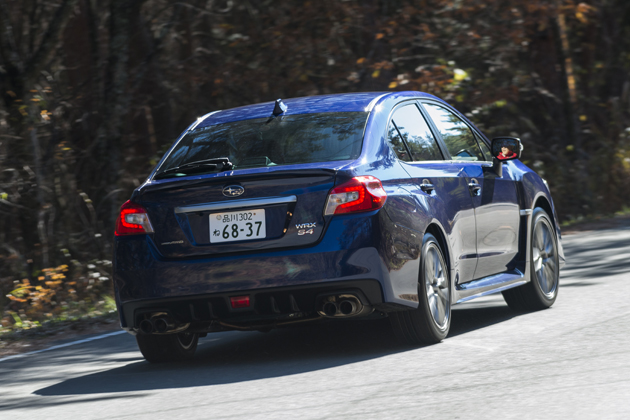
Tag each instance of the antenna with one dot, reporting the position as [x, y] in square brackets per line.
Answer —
[279, 108]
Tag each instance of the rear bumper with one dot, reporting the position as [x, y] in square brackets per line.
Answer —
[274, 305]
[352, 254]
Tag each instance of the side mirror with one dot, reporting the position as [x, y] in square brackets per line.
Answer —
[506, 148]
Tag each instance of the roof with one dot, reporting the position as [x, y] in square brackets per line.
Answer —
[343, 102]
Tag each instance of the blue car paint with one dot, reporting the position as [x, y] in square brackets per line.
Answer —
[381, 245]
[307, 105]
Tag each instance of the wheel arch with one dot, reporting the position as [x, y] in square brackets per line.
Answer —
[435, 230]
[543, 203]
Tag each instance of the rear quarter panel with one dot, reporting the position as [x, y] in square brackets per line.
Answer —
[407, 212]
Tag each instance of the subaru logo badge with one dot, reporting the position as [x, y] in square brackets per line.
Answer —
[233, 191]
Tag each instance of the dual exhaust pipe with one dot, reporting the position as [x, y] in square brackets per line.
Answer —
[160, 325]
[341, 306]
[331, 306]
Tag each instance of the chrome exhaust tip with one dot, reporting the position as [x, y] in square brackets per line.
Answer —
[146, 326]
[162, 325]
[330, 309]
[348, 307]
[342, 305]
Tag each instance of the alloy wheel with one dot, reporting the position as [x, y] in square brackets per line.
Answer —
[436, 285]
[544, 257]
[186, 340]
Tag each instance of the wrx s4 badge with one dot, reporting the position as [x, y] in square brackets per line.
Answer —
[306, 228]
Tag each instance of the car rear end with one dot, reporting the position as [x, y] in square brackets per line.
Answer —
[253, 220]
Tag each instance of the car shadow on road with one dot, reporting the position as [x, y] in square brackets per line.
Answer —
[235, 357]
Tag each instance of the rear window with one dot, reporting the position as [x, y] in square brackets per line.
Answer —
[284, 140]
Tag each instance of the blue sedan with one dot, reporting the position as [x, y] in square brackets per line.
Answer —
[331, 207]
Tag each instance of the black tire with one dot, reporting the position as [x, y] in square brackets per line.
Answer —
[430, 322]
[167, 347]
[542, 289]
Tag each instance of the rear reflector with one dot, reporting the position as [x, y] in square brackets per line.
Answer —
[361, 193]
[239, 302]
[133, 220]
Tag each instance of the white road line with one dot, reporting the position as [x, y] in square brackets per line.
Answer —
[86, 340]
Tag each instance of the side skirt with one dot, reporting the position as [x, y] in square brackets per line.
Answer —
[488, 285]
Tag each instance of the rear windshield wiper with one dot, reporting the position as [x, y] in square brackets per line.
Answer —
[216, 164]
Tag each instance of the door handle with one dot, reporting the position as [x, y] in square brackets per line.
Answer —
[475, 188]
[426, 186]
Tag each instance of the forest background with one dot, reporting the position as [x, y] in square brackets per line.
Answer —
[95, 91]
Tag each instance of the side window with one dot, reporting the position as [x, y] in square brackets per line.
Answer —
[396, 143]
[484, 148]
[416, 133]
[459, 139]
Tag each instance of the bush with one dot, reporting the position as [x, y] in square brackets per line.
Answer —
[59, 293]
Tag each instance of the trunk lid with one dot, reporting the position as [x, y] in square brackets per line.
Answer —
[277, 209]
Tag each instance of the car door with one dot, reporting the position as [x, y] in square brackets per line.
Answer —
[439, 189]
[494, 198]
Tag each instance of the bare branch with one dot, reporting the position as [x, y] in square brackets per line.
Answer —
[49, 40]
[12, 55]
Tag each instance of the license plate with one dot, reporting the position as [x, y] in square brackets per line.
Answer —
[237, 226]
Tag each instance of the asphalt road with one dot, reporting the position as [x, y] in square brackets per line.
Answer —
[570, 361]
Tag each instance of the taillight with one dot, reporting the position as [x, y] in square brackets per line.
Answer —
[133, 220]
[361, 193]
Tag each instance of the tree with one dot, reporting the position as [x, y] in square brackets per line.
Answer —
[94, 91]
